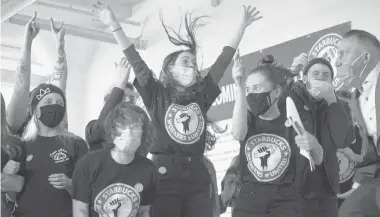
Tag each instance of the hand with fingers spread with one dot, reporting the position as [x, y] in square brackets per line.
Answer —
[11, 167]
[249, 15]
[123, 69]
[299, 62]
[58, 33]
[32, 29]
[323, 90]
[238, 72]
[106, 15]
[60, 181]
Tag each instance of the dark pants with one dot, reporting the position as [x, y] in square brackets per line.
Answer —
[363, 202]
[184, 187]
[260, 200]
[318, 207]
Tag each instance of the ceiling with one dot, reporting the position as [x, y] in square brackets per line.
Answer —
[78, 21]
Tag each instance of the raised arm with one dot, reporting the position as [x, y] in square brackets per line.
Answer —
[144, 82]
[59, 75]
[16, 111]
[239, 114]
[248, 16]
[95, 131]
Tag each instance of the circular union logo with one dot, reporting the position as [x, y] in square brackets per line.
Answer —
[117, 199]
[346, 167]
[184, 124]
[326, 47]
[268, 156]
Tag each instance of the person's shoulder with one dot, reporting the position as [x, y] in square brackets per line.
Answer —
[93, 156]
[145, 162]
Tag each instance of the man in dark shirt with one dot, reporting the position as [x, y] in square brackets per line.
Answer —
[334, 130]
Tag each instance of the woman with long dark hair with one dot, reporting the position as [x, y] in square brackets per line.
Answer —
[52, 152]
[177, 104]
[117, 180]
[272, 168]
[12, 155]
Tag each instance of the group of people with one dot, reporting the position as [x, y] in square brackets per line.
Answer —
[49, 171]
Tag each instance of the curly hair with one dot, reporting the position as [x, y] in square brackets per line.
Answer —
[125, 114]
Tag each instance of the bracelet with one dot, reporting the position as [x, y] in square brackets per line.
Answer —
[116, 29]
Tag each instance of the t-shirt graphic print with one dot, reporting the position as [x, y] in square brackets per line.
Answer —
[118, 200]
[268, 156]
[184, 124]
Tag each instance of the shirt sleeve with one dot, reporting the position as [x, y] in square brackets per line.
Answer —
[222, 62]
[212, 91]
[81, 180]
[149, 193]
[340, 124]
[144, 82]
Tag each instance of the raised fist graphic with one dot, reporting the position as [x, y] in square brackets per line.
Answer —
[184, 118]
[115, 205]
[264, 153]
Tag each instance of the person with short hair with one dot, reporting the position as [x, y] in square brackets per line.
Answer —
[358, 68]
[116, 180]
[335, 130]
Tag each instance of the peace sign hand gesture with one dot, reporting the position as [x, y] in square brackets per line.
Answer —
[32, 29]
[249, 16]
[106, 15]
[58, 33]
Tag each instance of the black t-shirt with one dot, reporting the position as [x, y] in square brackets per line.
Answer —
[268, 151]
[46, 156]
[109, 187]
[180, 126]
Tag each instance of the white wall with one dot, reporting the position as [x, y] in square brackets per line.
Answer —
[283, 21]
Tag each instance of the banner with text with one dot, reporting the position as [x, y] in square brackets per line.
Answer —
[319, 44]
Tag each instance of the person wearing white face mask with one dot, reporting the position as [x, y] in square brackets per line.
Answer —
[178, 103]
[117, 180]
[358, 68]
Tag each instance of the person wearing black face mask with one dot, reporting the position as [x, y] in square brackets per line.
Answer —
[269, 147]
[51, 155]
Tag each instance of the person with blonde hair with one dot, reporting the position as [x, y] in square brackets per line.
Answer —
[51, 155]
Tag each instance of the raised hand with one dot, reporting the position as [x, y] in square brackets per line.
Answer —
[106, 15]
[299, 62]
[32, 29]
[238, 72]
[249, 15]
[124, 70]
[323, 90]
[11, 167]
[58, 33]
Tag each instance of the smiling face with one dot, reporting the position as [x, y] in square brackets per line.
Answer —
[318, 72]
